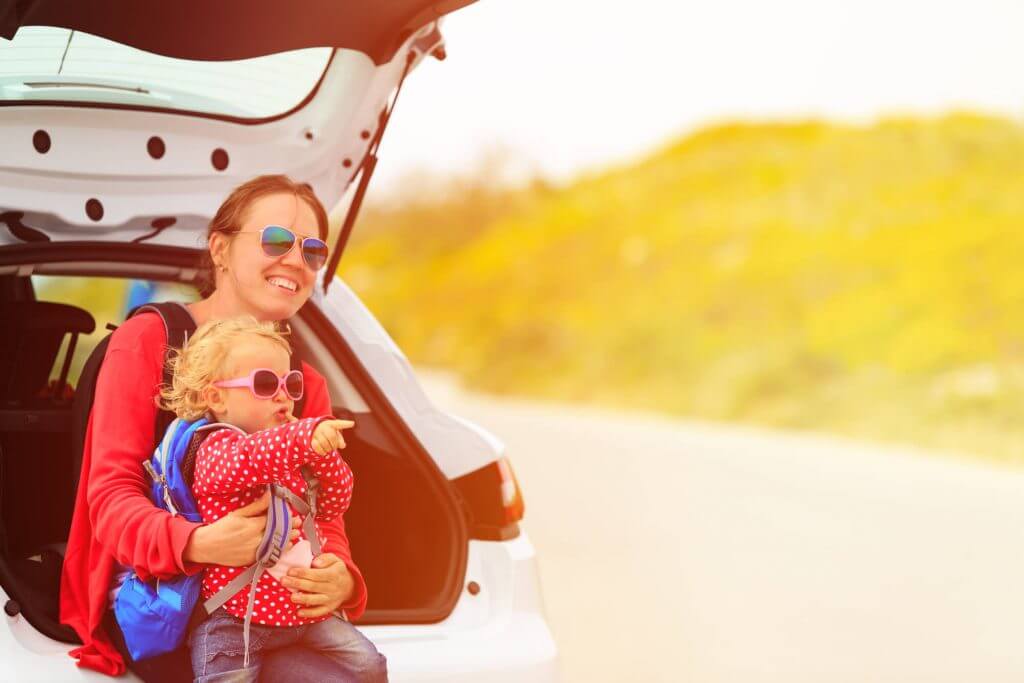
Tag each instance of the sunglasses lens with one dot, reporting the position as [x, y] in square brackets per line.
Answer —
[293, 385]
[265, 384]
[276, 241]
[315, 253]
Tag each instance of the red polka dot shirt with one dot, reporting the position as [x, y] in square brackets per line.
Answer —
[233, 469]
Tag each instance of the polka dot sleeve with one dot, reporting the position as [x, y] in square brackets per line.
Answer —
[229, 461]
[335, 485]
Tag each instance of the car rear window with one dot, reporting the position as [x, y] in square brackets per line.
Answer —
[56, 64]
[108, 300]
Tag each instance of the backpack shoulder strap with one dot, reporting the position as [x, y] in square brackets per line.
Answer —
[179, 326]
[188, 461]
[215, 426]
[275, 538]
[178, 322]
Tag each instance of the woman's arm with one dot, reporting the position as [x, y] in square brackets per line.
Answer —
[232, 540]
[124, 519]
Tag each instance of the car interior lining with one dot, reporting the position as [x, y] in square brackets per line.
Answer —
[400, 524]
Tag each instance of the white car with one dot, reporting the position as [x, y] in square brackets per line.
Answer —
[123, 128]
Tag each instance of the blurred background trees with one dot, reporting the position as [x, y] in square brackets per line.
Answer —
[859, 279]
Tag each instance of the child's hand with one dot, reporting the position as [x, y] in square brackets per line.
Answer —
[327, 436]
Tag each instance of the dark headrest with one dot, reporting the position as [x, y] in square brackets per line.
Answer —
[45, 315]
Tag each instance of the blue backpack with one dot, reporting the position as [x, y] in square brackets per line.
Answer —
[155, 615]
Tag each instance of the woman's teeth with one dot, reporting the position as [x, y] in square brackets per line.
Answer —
[284, 283]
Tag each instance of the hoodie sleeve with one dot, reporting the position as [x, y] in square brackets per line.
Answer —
[335, 486]
[124, 519]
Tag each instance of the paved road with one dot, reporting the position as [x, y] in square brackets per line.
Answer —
[674, 551]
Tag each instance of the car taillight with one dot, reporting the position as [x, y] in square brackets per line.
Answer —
[494, 503]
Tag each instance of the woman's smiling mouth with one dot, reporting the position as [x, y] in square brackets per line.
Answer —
[284, 283]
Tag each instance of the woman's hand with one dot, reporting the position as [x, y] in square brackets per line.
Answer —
[321, 589]
[233, 539]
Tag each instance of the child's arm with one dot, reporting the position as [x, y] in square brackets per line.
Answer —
[335, 486]
[331, 470]
[228, 461]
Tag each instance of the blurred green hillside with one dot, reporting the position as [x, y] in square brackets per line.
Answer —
[862, 280]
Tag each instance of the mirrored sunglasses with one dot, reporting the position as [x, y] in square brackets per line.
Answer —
[277, 241]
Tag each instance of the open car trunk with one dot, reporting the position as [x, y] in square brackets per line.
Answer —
[404, 525]
[131, 123]
[116, 155]
[236, 29]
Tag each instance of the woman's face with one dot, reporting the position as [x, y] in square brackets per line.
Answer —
[268, 288]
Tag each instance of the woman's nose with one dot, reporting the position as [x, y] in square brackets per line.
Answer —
[294, 255]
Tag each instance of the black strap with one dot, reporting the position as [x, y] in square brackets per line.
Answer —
[179, 326]
[178, 322]
[366, 168]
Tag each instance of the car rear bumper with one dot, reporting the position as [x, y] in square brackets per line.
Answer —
[496, 633]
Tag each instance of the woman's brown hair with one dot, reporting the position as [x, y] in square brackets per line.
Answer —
[231, 213]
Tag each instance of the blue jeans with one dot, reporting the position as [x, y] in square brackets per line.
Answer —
[331, 650]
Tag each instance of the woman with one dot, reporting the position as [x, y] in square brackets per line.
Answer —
[115, 525]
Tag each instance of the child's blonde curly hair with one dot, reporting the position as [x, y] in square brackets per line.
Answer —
[201, 361]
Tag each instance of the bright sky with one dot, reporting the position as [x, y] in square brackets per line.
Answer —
[568, 85]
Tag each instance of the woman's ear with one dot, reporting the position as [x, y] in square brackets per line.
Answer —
[218, 244]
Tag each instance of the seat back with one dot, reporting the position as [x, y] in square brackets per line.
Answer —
[33, 334]
[35, 422]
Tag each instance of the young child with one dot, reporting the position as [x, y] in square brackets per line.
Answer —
[237, 372]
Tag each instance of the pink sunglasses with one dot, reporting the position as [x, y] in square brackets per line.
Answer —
[265, 384]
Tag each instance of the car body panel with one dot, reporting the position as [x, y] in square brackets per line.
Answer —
[458, 447]
[497, 635]
[101, 154]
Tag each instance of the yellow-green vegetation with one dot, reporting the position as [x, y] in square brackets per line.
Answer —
[862, 280]
[105, 299]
